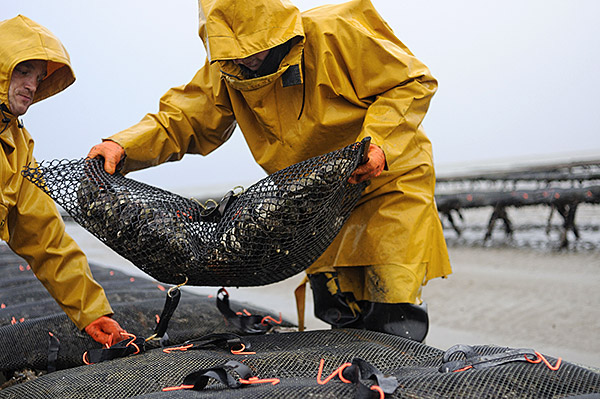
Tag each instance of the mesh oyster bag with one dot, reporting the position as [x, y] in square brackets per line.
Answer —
[29, 314]
[298, 365]
[273, 230]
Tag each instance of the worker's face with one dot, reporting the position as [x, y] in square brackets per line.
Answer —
[26, 78]
[254, 61]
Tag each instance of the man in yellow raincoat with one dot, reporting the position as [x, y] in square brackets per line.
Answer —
[33, 66]
[300, 85]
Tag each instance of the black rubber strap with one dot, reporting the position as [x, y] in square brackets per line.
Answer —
[215, 213]
[362, 370]
[226, 341]
[366, 144]
[171, 302]
[471, 359]
[53, 348]
[222, 373]
[120, 349]
[248, 324]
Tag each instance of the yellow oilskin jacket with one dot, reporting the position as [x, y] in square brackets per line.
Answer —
[345, 77]
[29, 220]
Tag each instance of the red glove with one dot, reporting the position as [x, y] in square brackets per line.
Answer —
[105, 331]
[112, 153]
[372, 168]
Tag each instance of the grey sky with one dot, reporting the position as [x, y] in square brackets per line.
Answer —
[518, 80]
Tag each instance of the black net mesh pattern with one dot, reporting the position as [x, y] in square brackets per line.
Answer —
[275, 229]
[28, 314]
[294, 359]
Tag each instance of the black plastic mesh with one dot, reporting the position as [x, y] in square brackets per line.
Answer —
[275, 229]
[294, 359]
[28, 313]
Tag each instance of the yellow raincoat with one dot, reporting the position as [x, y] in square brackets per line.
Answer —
[346, 77]
[29, 220]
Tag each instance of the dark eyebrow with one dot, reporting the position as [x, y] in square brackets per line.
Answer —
[28, 67]
[26, 64]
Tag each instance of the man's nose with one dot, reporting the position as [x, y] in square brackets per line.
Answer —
[32, 83]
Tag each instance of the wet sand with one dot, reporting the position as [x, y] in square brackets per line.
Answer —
[527, 298]
[543, 300]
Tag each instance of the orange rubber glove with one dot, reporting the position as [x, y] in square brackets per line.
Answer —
[372, 168]
[112, 153]
[105, 331]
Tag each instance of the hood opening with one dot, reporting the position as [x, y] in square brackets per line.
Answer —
[271, 62]
[23, 39]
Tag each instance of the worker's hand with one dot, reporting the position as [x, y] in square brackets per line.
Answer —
[112, 153]
[372, 168]
[105, 331]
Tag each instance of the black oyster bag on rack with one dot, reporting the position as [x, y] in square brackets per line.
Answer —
[273, 230]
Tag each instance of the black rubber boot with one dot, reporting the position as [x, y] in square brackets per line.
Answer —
[337, 309]
[402, 319]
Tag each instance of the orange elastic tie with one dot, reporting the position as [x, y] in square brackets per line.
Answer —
[269, 318]
[241, 351]
[256, 380]
[338, 372]
[541, 358]
[177, 388]
[178, 348]
[378, 389]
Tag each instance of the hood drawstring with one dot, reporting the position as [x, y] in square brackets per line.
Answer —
[5, 119]
[303, 84]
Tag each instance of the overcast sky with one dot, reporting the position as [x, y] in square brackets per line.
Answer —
[518, 79]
